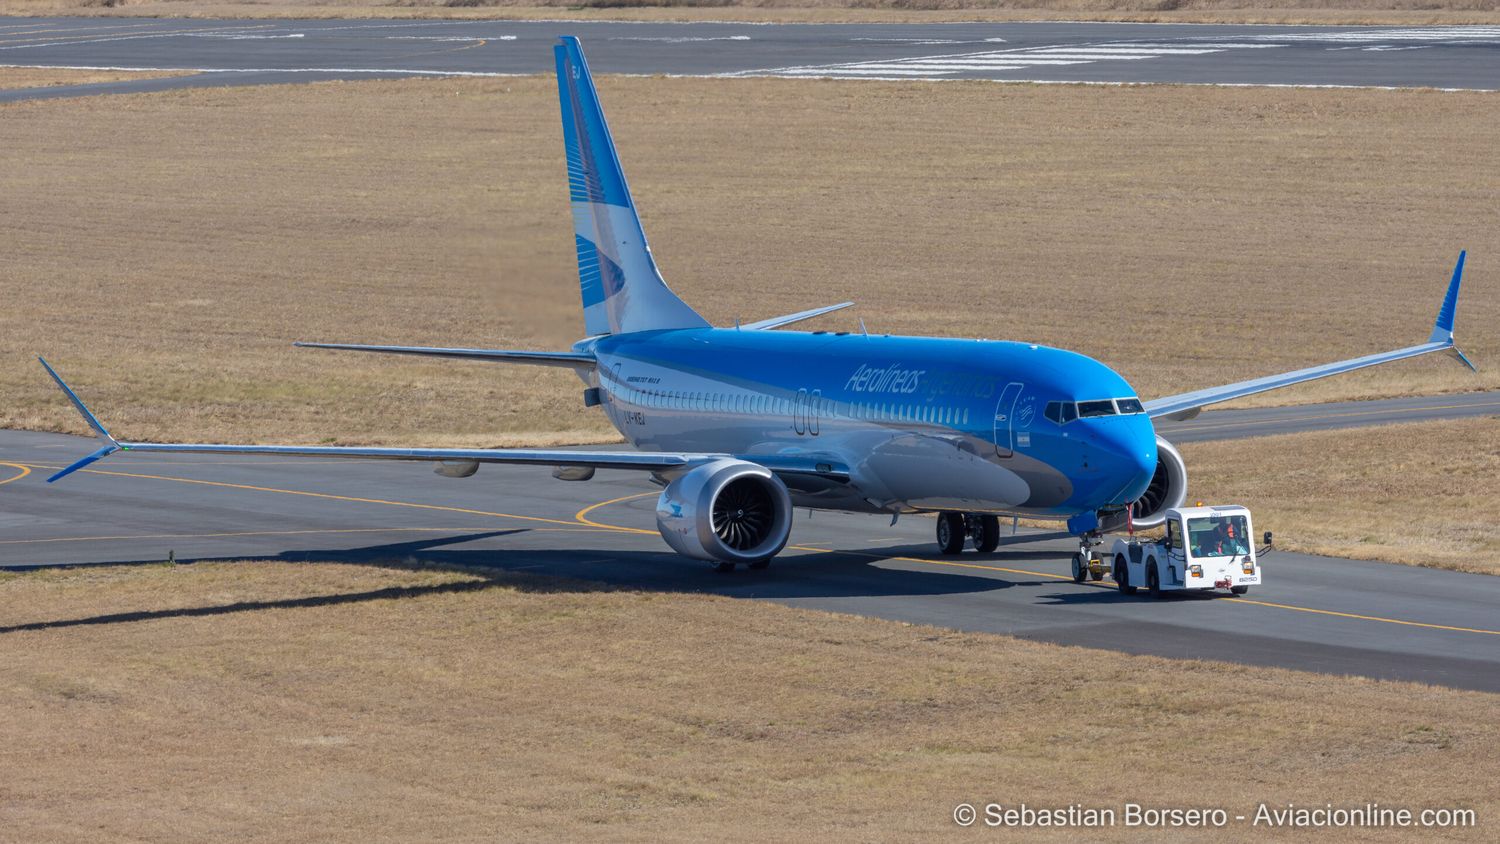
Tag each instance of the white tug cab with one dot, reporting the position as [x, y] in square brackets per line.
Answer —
[1204, 548]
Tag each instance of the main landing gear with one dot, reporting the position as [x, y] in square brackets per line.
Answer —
[955, 529]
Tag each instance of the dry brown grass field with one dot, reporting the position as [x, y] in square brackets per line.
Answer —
[169, 251]
[1424, 493]
[1403, 12]
[39, 77]
[280, 702]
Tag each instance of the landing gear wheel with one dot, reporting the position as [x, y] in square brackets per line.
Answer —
[1240, 590]
[950, 533]
[1153, 580]
[1122, 577]
[989, 534]
[724, 568]
[1080, 568]
[760, 565]
[1096, 574]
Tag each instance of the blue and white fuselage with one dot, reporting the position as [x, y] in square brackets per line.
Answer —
[918, 423]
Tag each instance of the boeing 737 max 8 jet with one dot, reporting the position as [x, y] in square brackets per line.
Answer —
[741, 424]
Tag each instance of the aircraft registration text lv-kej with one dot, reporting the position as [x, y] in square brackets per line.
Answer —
[741, 424]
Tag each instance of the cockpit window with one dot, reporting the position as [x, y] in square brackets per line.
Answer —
[1061, 412]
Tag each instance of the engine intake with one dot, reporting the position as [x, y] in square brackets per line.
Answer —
[1168, 488]
[728, 510]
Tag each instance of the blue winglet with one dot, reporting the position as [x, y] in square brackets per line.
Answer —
[98, 455]
[87, 417]
[1442, 330]
[77, 402]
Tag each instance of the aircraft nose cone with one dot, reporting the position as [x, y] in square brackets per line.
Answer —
[1127, 451]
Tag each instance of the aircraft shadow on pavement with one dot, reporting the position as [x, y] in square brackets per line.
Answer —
[1106, 593]
[834, 574]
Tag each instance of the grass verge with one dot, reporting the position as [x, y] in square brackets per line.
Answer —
[46, 77]
[228, 701]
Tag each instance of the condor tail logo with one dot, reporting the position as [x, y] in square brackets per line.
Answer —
[622, 289]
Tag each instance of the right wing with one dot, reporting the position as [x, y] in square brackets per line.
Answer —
[574, 360]
[1187, 405]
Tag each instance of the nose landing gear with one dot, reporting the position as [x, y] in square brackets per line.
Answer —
[1086, 563]
[956, 529]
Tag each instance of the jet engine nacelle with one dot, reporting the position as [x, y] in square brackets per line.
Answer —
[1168, 487]
[728, 510]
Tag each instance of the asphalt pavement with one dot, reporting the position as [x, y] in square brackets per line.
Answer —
[241, 52]
[1313, 613]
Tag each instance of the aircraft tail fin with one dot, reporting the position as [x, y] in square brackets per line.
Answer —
[622, 289]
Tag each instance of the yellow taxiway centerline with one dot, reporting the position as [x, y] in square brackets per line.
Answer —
[582, 518]
[25, 470]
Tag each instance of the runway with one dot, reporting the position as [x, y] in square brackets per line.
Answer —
[243, 52]
[1314, 613]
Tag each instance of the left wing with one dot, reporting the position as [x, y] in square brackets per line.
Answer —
[462, 461]
[1187, 405]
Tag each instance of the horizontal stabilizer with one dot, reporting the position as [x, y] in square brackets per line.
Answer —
[576, 360]
[777, 322]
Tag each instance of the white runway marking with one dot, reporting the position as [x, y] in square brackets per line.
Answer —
[449, 37]
[950, 65]
[947, 65]
[836, 73]
[931, 41]
[102, 40]
[399, 71]
[1454, 34]
[230, 36]
[1133, 50]
[685, 39]
[1020, 60]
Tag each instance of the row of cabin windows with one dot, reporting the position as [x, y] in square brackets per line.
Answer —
[768, 405]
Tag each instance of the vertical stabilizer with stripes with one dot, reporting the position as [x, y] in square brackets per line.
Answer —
[622, 289]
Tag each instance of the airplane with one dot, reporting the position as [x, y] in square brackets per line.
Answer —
[741, 424]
